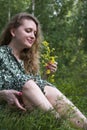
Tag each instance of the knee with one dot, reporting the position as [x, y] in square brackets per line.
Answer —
[28, 85]
[50, 91]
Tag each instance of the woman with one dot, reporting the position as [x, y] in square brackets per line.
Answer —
[19, 71]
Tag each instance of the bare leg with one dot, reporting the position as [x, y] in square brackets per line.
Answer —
[65, 107]
[33, 95]
[28, 104]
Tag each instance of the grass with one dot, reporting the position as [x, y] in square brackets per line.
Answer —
[36, 120]
[39, 120]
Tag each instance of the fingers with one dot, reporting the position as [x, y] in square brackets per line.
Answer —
[12, 97]
[52, 67]
[53, 64]
[15, 92]
[19, 105]
[14, 102]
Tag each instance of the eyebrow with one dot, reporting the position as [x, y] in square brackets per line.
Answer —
[31, 29]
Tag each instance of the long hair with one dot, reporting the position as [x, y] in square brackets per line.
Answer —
[29, 56]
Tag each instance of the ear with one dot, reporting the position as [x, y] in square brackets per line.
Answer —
[12, 31]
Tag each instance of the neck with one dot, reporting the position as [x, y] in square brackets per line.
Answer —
[16, 50]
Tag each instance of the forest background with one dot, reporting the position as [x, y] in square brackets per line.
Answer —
[64, 25]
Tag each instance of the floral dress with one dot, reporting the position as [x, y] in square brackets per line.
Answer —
[12, 73]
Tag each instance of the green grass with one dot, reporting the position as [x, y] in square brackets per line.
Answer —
[36, 120]
[39, 120]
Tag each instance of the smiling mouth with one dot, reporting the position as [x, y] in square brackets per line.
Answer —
[30, 42]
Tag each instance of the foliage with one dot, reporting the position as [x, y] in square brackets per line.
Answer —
[10, 8]
[64, 25]
[47, 56]
[36, 120]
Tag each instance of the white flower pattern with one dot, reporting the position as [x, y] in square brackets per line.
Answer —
[12, 73]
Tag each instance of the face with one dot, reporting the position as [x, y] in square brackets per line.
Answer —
[25, 35]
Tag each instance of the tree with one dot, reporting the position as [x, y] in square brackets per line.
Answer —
[9, 8]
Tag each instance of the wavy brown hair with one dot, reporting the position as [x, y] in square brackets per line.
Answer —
[29, 56]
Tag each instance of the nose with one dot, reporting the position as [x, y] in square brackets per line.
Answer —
[32, 35]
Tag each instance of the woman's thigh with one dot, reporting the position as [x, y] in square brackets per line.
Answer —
[32, 93]
[51, 94]
[57, 98]
[54, 95]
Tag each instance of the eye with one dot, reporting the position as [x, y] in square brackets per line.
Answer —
[28, 30]
[35, 34]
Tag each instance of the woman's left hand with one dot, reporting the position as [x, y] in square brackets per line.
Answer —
[52, 67]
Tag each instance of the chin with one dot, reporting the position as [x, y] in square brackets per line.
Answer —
[28, 45]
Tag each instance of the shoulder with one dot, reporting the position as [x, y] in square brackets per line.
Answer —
[3, 51]
[2, 48]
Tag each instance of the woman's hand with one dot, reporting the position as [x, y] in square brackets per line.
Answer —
[12, 98]
[52, 67]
